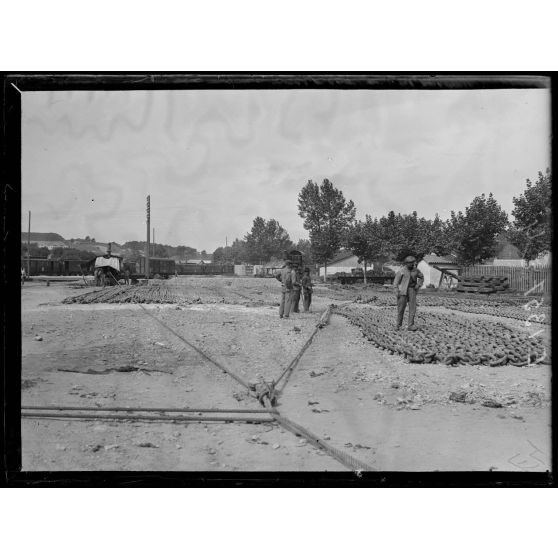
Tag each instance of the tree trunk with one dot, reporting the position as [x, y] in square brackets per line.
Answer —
[325, 272]
[364, 272]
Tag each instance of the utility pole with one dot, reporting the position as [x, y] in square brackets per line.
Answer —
[28, 247]
[226, 242]
[148, 247]
[153, 241]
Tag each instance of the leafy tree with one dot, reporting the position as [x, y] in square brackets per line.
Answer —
[328, 218]
[57, 252]
[531, 230]
[305, 246]
[366, 241]
[266, 239]
[185, 252]
[234, 254]
[218, 256]
[34, 250]
[159, 251]
[472, 235]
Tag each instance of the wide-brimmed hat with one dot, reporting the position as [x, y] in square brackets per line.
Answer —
[409, 259]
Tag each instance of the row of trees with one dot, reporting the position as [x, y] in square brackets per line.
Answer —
[470, 235]
[163, 251]
[43, 252]
[266, 241]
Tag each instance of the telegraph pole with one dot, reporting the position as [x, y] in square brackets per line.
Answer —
[148, 247]
[153, 241]
[28, 247]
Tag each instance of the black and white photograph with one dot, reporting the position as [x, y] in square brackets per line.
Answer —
[323, 278]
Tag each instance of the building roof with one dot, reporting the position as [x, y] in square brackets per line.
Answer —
[341, 256]
[434, 259]
[197, 261]
[274, 263]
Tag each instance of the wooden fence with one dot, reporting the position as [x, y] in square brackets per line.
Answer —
[521, 278]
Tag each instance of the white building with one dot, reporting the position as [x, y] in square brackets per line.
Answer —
[432, 267]
[344, 262]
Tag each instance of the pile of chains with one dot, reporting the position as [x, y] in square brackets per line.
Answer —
[155, 293]
[449, 340]
[523, 309]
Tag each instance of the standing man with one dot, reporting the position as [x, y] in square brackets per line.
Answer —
[306, 289]
[22, 275]
[297, 285]
[407, 282]
[287, 278]
[126, 276]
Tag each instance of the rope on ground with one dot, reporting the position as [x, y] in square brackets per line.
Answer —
[198, 350]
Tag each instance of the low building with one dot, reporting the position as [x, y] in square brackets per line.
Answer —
[433, 268]
[509, 255]
[244, 270]
[272, 267]
[344, 262]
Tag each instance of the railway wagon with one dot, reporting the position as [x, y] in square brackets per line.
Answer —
[205, 269]
[157, 266]
[44, 266]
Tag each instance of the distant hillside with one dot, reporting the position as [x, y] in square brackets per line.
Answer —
[43, 237]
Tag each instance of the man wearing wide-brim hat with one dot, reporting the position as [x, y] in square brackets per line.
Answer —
[407, 282]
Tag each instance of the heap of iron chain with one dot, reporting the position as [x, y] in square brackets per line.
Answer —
[156, 293]
[448, 339]
[515, 309]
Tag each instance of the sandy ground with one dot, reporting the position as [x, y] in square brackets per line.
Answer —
[389, 413]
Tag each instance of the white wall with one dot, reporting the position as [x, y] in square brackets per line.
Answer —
[342, 266]
[432, 275]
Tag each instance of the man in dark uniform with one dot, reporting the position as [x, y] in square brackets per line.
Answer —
[297, 286]
[287, 277]
[407, 282]
[306, 289]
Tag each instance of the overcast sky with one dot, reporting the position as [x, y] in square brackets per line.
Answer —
[214, 160]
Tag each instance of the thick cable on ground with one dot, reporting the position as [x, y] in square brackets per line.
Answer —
[138, 409]
[148, 418]
[322, 322]
[344, 458]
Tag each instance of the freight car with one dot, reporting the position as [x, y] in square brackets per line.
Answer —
[205, 269]
[164, 267]
[44, 266]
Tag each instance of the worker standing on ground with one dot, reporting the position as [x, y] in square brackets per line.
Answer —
[287, 278]
[126, 276]
[22, 275]
[297, 286]
[407, 282]
[306, 289]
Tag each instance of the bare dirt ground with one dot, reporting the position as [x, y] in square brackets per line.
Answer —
[378, 407]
